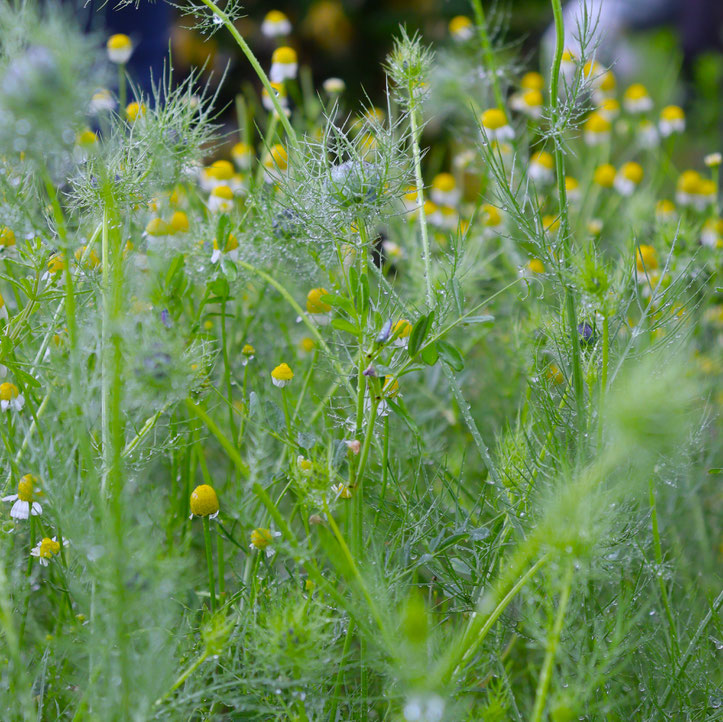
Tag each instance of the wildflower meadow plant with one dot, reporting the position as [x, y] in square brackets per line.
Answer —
[354, 414]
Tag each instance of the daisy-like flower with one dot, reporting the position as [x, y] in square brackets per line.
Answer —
[204, 502]
[596, 129]
[694, 190]
[646, 260]
[604, 86]
[432, 212]
[46, 549]
[3, 309]
[307, 344]
[304, 465]
[120, 48]
[402, 330]
[318, 310]
[609, 108]
[248, 352]
[713, 160]
[409, 199]
[542, 165]
[665, 210]
[7, 237]
[334, 86]
[156, 228]
[281, 96]
[628, 178]
[532, 81]
[495, 125]
[528, 102]
[648, 134]
[179, 222]
[536, 266]
[275, 163]
[262, 539]
[219, 173]
[282, 375]
[221, 199]
[572, 189]
[24, 505]
[604, 175]
[102, 101]
[284, 64]
[341, 491]
[243, 155]
[134, 111]
[672, 120]
[461, 28]
[491, 216]
[56, 265]
[86, 138]
[444, 190]
[712, 234]
[275, 24]
[636, 99]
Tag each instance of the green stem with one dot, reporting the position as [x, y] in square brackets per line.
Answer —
[487, 49]
[209, 563]
[227, 372]
[553, 640]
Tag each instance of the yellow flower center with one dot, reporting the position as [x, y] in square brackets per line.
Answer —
[597, 123]
[492, 215]
[314, 304]
[25, 488]
[8, 391]
[119, 42]
[284, 56]
[204, 500]
[275, 16]
[544, 159]
[459, 24]
[56, 263]
[532, 98]
[135, 110]
[672, 113]
[632, 172]
[444, 182]
[536, 266]
[248, 350]
[282, 372]
[7, 236]
[48, 548]
[645, 258]
[637, 91]
[261, 538]
[179, 222]
[223, 192]
[532, 81]
[605, 175]
[493, 119]
[220, 170]
[307, 344]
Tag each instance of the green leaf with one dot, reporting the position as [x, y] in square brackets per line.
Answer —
[363, 295]
[219, 287]
[457, 293]
[338, 302]
[419, 333]
[478, 319]
[430, 354]
[342, 325]
[450, 355]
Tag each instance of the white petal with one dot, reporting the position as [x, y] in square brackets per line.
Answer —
[12, 497]
[20, 510]
[37, 509]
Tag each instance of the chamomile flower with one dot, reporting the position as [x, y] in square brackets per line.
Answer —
[46, 549]
[334, 86]
[409, 199]
[532, 81]
[636, 99]
[491, 216]
[604, 86]
[433, 213]
[318, 310]
[221, 199]
[596, 129]
[572, 189]
[102, 101]
[529, 102]
[7, 237]
[542, 165]
[157, 228]
[609, 108]
[665, 210]
[179, 222]
[119, 48]
[461, 28]
[444, 190]
[402, 330]
[275, 162]
[284, 64]
[568, 66]
[243, 155]
[219, 173]
[262, 539]
[282, 375]
[25, 504]
[341, 491]
[628, 178]
[280, 92]
[275, 24]
[604, 175]
[135, 111]
[647, 134]
[713, 160]
[672, 120]
[495, 125]
[204, 502]
[230, 250]
[304, 465]
[307, 344]
[646, 260]
[248, 352]
[536, 266]
[711, 235]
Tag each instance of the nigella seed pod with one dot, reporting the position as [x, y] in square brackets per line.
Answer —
[586, 333]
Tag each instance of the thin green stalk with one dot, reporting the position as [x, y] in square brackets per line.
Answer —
[246, 50]
[553, 640]
[565, 222]
[227, 372]
[359, 490]
[416, 156]
[674, 647]
[340, 673]
[484, 37]
[221, 566]
[209, 563]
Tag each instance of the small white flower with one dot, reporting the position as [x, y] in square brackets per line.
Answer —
[10, 397]
[46, 549]
[275, 24]
[24, 504]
